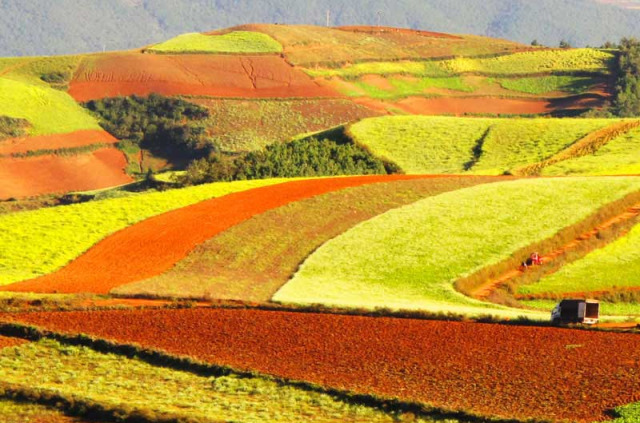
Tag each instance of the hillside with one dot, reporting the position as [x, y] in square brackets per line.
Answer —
[39, 27]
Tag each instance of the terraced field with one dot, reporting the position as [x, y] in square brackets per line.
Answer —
[253, 259]
[410, 257]
[232, 42]
[38, 242]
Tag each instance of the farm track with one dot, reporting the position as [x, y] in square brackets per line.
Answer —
[485, 290]
[489, 370]
[153, 246]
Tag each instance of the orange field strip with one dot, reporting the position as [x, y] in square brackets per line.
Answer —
[56, 141]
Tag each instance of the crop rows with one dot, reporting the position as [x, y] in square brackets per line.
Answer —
[476, 368]
[408, 258]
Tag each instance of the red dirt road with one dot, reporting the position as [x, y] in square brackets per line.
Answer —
[492, 370]
[191, 74]
[153, 246]
[57, 141]
[27, 177]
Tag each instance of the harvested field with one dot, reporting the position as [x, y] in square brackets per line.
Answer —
[54, 142]
[10, 342]
[491, 370]
[123, 74]
[484, 105]
[274, 243]
[153, 246]
[26, 177]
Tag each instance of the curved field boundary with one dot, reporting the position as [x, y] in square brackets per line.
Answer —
[588, 145]
[10, 342]
[18, 411]
[410, 257]
[486, 289]
[48, 174]
[477, 368]
[56, 142]
[153, 246]
[238, 42]
[253, 259]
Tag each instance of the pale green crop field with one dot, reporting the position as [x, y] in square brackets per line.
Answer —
[409, 258]
[540, 61]
[628, 414]
[422, 144]
[522, 63]
[38, 242]
[548, 84]
[617, 265]
[440, 144]
[606, 308]
[233, 42]
[116, 381]
[512, 143]
[402, 88]
[620, 156]
[49, 111]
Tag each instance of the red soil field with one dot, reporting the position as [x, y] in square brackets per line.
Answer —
[153, 246]
[480, 105]
[267, 76]
[26, 177]
[491, 370]
[57, 141]
[11, 342]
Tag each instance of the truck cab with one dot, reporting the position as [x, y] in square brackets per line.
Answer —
[576, 311]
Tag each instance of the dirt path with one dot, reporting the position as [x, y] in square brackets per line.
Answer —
[153, 246]
[487, 288]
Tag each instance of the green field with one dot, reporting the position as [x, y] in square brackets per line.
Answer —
[606, 308]
[617, 265]
[512, 143]
[37, 242]
[232, 42]
[549, 84]
[628, 414]
[253, 259]
[421, 144]
[49, 111]
[489, 146]
[406, 87]
[620, 156]
[43, 71]
[403, 67]
[410, 257]
[119, 383]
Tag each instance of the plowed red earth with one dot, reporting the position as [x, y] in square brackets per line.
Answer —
[492, 370]
[57, 141]
[479, 105]
[124, 74]
[26, 177]
[11, 342]
[153, 246]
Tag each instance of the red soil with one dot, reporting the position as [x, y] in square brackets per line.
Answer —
[384, 29]
[481, 105]
[487, 288]
[492, 370]
[57, 141]
[191, 74]
[153, 246]
[26, 177]
[11, 342]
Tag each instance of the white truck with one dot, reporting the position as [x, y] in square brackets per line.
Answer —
[576, 311]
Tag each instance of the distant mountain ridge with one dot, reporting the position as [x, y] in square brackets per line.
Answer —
[41, 27]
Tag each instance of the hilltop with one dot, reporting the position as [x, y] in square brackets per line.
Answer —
[38, 27]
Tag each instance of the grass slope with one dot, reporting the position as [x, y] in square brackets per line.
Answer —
[410, 257]
[432, 144]
[549, 84]
[620, 156]
[252, 260]
[232, 42]
[131, 384]
[37, 242]
[49, 111]
[420, 144]
[615, 266]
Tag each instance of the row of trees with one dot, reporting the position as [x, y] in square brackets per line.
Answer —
[627, 90]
